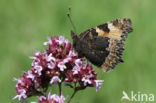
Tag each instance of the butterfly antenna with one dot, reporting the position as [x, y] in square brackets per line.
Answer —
[69, 16]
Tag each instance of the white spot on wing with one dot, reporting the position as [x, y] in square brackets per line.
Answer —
[111, 26]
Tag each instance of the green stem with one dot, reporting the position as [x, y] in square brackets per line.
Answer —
[72, 96]
[60, 89]
[75, 90]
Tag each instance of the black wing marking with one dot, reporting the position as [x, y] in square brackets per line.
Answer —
[93, 47]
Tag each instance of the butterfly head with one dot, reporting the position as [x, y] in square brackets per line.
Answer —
[74, 37]
[76, 43]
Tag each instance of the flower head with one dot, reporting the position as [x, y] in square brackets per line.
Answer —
[52, 99]
[59, 63]
[24, 87]
[55, 80]
[98, 84]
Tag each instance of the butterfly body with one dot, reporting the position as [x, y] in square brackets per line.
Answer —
[103, 45]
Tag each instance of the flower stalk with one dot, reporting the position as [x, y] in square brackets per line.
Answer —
[60, 88]
[72, 96]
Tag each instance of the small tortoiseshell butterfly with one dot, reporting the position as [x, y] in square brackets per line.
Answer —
[103, 45]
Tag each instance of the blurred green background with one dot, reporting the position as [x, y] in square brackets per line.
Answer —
[25, 24]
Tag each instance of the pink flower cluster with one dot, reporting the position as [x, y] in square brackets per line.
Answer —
[52, 99]
[59, 63]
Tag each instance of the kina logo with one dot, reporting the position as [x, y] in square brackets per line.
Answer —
[138, 96]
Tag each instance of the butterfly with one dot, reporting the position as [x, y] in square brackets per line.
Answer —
[103, 45]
